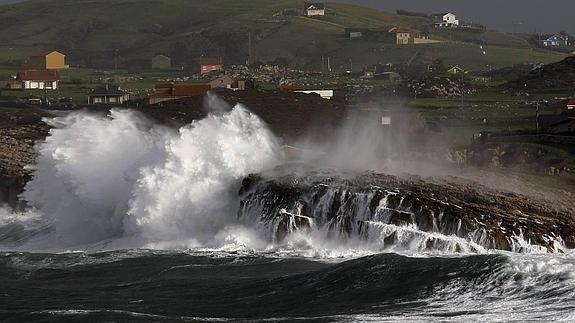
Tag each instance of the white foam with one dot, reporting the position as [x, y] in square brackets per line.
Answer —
[120, 181]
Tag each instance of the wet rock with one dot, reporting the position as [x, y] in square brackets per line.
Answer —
[358, 204]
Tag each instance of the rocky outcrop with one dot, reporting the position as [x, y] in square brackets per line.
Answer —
[19, 130]
[391, 211]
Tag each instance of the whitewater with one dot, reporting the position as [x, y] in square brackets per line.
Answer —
[130, 220]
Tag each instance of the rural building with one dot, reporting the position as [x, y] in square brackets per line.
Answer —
[205, 65]
[171, 91]
[325, 94]
[39, 79]
[455, 70]
[314, 9]
[227, 82]
[445, 20]
[52, 61]
[161, 62]
[107, 94]
[556, 40]
[402, 36]
[222, 82]
[566, 126]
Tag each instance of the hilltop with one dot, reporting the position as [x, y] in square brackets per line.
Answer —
[94, 32]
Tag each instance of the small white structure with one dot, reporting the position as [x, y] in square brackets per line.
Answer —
[386, 120]
[445, 20]
[325, 94]
[314, 9]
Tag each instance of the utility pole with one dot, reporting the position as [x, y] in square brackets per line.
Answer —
[328, 65]
[351, 65]
[322, 64]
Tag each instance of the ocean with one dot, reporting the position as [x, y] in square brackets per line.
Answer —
[127, 221]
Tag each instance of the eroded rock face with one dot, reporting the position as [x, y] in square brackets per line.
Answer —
[403, 211]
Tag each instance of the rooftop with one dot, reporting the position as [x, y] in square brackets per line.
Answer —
[38, 75]
[107, 90]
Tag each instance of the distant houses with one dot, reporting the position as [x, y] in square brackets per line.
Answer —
[556, 40]
[51, 61]
[107, 94]
[314, 9]
[445, 20]
[36, 80]
[161, 62]
[394, 35]
[206, 65]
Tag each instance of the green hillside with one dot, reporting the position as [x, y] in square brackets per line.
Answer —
[91, 32]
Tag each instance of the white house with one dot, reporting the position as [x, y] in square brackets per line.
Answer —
[445, 20]
[314, 9]
[39, 79]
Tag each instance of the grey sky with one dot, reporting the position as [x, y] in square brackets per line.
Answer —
[543, 16]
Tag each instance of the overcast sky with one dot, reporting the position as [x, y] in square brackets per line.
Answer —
[542, 16]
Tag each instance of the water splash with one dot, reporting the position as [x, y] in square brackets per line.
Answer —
[99, 178]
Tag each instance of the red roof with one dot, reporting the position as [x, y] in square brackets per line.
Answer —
[571, 101]
[39, 75]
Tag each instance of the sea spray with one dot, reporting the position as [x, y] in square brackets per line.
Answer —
[120, 176]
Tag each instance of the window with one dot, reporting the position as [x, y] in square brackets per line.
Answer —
[97, 99]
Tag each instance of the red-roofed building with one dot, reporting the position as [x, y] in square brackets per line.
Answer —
[39, 79]
[206, 65]
[169, 91]
[571, 104]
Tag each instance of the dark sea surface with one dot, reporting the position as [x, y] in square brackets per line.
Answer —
[143, 285]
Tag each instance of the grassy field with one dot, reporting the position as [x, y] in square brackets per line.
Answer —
[139, 29]
[487, 110]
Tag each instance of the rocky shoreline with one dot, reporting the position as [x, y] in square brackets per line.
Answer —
[348, 204]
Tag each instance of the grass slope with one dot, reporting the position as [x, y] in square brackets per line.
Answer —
[139, 29]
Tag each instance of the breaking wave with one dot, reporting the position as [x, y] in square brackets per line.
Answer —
[121, 178]
[120, 181]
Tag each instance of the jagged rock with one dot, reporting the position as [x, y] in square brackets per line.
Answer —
[353, 204]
